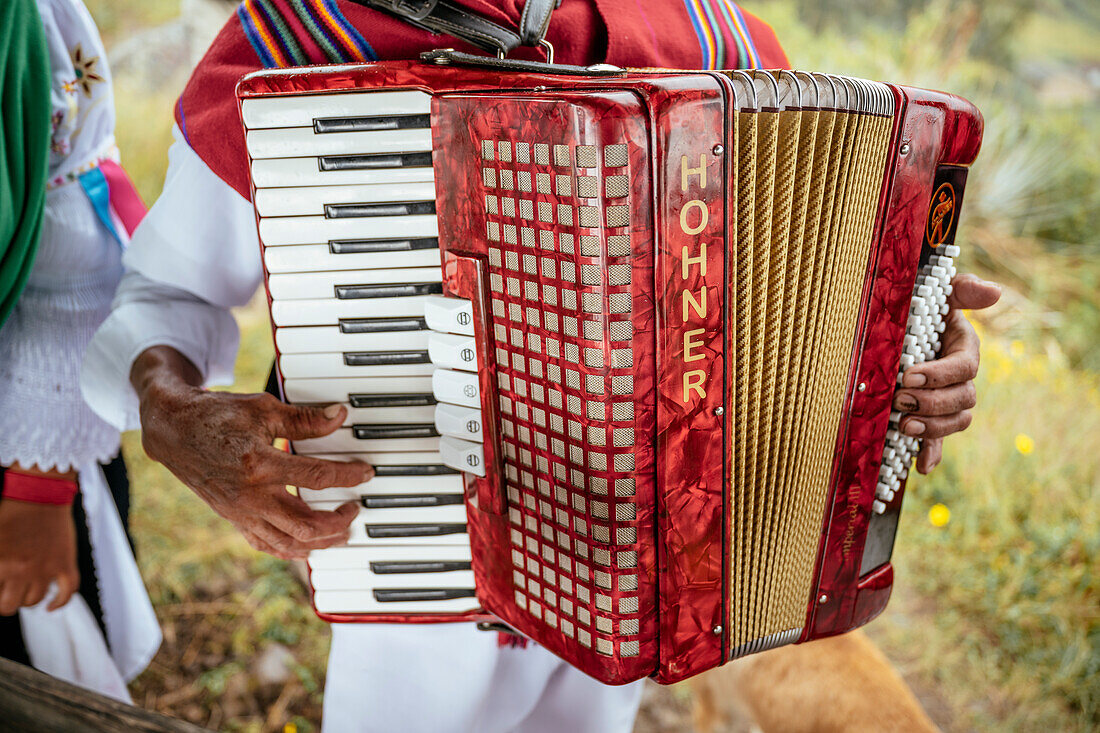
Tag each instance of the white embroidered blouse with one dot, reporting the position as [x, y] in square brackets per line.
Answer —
[43, 418]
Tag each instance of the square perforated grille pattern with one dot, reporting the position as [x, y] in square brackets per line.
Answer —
[560, 278]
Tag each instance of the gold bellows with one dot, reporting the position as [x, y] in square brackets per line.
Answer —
[811, 155]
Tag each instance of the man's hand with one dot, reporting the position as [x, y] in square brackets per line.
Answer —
[37, 547]
[938, 394]
[220, 445]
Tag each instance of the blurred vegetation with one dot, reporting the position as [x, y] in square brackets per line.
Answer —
[996, 615]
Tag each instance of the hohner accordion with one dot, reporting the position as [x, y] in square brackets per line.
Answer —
[621, 347]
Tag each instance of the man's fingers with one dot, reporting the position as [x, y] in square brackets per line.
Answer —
[66, 585]
[316, 473]
[11, 595]
[266, 537]
[943, 401]
[935, 427]
[970, 292]
[36, 591]
[298, 422]
[307, 525]
[931, 453]
[957, 363]
[261, 545]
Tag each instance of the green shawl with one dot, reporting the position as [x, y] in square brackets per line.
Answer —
[25, 136]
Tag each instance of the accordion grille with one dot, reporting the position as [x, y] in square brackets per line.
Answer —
[568, 335]
[806, 190]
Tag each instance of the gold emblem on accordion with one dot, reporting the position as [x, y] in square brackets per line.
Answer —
[941, 215]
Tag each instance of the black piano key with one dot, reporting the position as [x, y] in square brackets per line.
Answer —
[398, 595]
[391, 400]
[432, 469]
[381, 432]
[374, 161]
[385, 358]
[381, 325]
[400, 567]
[389, 290]
[390, 531]
[359, 246]
[322, 125]
[355, 211]
[411, 501]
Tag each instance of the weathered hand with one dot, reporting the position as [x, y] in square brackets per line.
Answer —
[220, 445]
[938, 395]
[37, 547]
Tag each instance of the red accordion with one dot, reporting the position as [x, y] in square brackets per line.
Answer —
[621, 344]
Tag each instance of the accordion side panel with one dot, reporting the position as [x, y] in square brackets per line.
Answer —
[690, 280]
[936, 130]
[557, 210]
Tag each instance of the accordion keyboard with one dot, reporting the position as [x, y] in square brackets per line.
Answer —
[346, 202]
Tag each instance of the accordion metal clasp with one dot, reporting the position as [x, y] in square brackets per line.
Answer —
[622, 349]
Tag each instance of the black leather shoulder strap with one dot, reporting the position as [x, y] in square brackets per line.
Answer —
[446, 16]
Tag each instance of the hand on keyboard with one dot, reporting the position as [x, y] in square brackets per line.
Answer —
[938, 394]
[220, 445]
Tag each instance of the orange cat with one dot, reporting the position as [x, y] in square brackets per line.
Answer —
[843, 683]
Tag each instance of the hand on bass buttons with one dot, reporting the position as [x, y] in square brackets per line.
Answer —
[936, 396]
[220, 445]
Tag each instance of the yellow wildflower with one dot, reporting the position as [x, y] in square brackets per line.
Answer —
[1024, 444]
[1016, 348]
[939, 515]
[290, 727]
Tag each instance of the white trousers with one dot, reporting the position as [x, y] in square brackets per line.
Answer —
[452, 678]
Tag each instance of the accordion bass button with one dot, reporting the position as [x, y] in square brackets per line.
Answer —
[462, 455]
[449, 315]
[453, 351]
[458, 422]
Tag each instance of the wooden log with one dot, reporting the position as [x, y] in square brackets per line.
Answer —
[33, 701]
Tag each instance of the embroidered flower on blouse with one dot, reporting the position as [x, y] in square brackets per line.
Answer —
[55, 120]
[69, 87]
[84, 67]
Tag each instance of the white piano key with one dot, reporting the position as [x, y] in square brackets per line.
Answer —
[353, 601]
[452, 351]
[462, 455]
[417, 458]
[311, 200]
[458, 422]
[305, 366]
[306, 285]
[458, 388]
[365, 579]
[302, 110]
[447, 514]
[951, 250]
[292, 142]
[450, 315]
[276, 231]
[326, 391]
[318, 257]
[336, 558]
[314, 339]
[275, 172]
[389, 415]
[343, 440]
[329, 311]
[878, 507]
[385, 486]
